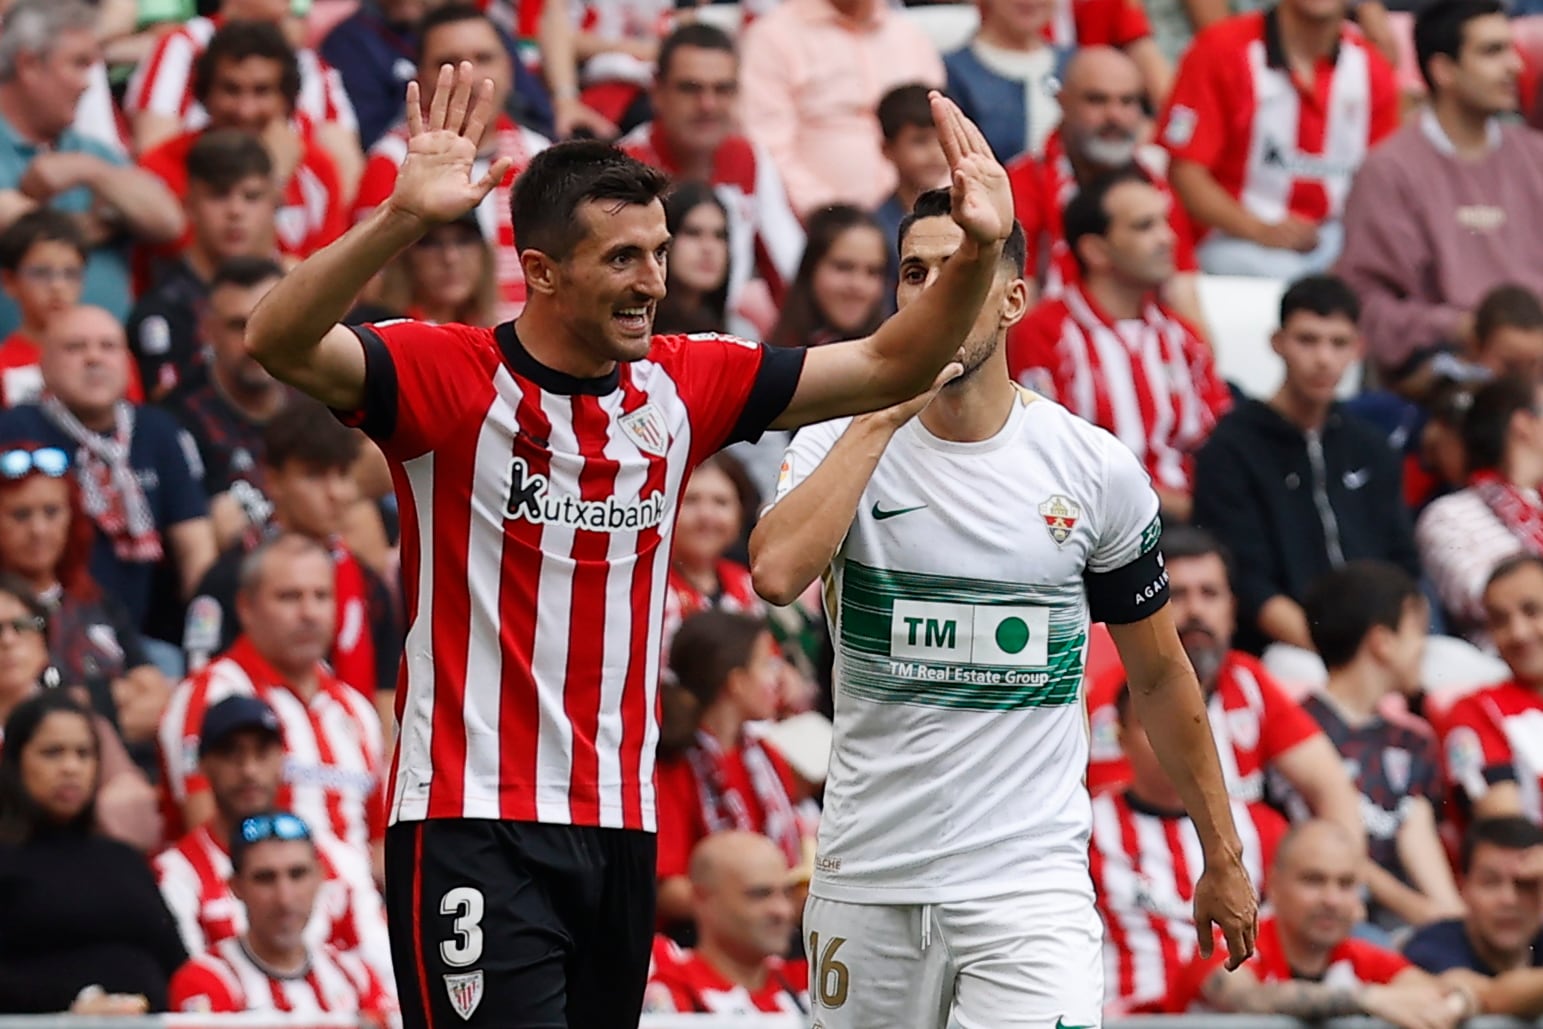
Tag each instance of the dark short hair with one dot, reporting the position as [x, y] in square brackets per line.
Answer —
[1344, 605]
[548, 194]
[1087, 213]
[1506, 307]
[1508, 832]
[1181, 541]
[1323, 295]
[451, 14]
[694, 34]
[1510, 566]
[939, 203]
[1489, 419]
[245, 272]
[40, 225]
[239, 40]
[222, 159]
[904, 107]
[1439, 30]
[710, 645]
[307, 432]
[21, 817]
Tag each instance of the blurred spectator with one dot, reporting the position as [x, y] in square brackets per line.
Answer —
[1108, 349]
[693, 136]
[1257, 726]
[813, 76]
[1121, 25]
[125, 803]
[42, 262]
[446, 275]
[1102, 123]
[740, 893]
[449, 35]
[718, 776]
[163, 99]
[332, 736]
[306, 458]
[1443, 212]
[46, 52]
[697, 276]
[225, 411]
[838, 292]
[139, 472]
[1490, 736]
[1297, 485]
[241, 754]
[1368, 625]
[1307, 943]
[911, 147]
[1270, 116]
[1145, 862]
[1508, 333]
[616, 43]
[276, 875]
[232, 209]
[82, 927]
[714, 508]
[1465, 535]
[1005, 78]
[248, 80]
[1503, 894]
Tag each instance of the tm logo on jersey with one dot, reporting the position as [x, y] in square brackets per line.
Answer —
[993, 635]
[530, 497]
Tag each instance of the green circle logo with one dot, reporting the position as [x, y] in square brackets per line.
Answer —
[1012, 635]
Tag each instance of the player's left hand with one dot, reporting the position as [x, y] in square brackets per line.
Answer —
[1225, 898]
[982, 197]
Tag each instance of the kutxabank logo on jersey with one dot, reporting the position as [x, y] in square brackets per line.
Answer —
[945, 641]
[531, 498]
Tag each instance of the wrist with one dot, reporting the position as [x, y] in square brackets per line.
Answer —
[565, 94]
[399, 223]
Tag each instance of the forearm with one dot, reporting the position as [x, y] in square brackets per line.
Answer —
[1425, 861]
[559, 63]
[1518, 993]
[1281, 618]
[1299, 999]
[1208, 203]
[1156, 74]
[795, 540]
[1386, 889]
[143, 203]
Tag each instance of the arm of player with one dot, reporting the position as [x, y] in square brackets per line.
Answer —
[902, 358]
[1314, 769]
[294, 332]
[1425, 862]
[796, 539]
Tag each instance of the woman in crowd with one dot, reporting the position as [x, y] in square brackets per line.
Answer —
[715, 774]
[82, 924]
[698, 272]
[838, 292]
[711, 525]
[447, 276]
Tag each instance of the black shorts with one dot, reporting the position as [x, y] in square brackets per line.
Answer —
[519, 925]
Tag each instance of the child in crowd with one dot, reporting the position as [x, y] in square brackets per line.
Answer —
[42, 262]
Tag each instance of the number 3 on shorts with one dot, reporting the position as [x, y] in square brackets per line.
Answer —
[465, 947]
[831, 976]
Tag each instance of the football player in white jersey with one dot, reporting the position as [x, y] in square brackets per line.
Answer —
[963, 552]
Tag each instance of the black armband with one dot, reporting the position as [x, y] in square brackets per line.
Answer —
[1128, 593]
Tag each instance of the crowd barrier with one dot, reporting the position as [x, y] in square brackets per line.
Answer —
[254, 1021]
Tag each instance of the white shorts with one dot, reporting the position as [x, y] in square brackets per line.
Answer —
[1029, 960]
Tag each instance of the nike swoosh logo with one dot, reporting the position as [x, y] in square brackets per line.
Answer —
[879, 514]
[1060, 1023]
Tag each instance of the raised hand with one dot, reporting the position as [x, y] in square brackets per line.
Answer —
[982, 197]
[435, 183]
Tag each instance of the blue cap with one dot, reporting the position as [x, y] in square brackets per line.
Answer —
[236, 714]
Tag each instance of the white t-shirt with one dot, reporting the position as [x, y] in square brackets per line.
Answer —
[959, 612]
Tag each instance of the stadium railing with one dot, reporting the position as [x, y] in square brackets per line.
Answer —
[258, 1021]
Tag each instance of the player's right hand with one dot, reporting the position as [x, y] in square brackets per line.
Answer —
[435, 183]
[1224, 897]
[897, 415]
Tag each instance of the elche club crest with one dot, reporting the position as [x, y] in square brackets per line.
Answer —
[1060, 514]
[465, 991]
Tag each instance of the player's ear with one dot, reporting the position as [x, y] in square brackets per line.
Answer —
[540, 272]
[1016, 301]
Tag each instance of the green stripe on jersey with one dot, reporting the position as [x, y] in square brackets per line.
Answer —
[945, 641]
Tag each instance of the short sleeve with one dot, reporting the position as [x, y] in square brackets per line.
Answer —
[733, 388]
[804, 454]
[1194, 125]
[1477, 753]
[1125, 577]
[1284, 723]
[197, 988]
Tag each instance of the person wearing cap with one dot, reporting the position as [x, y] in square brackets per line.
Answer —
[276, 872]
[241, 755]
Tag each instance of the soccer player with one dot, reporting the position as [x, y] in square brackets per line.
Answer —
[538, 466]
[965, 552]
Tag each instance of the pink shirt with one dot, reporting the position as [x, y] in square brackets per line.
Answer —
[811, 80]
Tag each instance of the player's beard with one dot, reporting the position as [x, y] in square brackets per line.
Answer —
[976, 353]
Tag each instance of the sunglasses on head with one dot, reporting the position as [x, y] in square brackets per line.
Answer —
[261, 828]
[49, 461]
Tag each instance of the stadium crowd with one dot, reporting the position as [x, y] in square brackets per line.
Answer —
[200, 613]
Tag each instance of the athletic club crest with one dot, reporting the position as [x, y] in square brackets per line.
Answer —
[1396, 764]
[465, 992]
[645, 427]
[1060, 514]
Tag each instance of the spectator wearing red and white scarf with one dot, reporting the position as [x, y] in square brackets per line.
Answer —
[712, 517]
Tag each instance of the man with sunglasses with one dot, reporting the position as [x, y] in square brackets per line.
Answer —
[270, 967]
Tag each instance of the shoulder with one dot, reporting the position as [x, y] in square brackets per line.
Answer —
[1390, 158]
[1229, 34]
[1460, 506]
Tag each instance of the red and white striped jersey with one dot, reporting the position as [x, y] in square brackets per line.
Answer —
[1145, 864]
[1496, 735]
[681, 980]
[1278, 145]
[333, 745]
[1084, 23]
[1150, 380]
[228, 977]
[194, 877]
[163, 82]
[764, 233]
[537, 513]
[494, 217]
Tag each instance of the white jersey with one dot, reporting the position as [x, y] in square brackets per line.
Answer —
[959, 611]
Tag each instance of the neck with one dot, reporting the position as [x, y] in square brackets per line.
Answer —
[302, 682]
[1520, 468]
[701, 573]
[257, 403]
[975, 409]
[549, 341]
[1303, 412]
[695, 163]
[281, 960]
[1357, 689]
[1118, 300]
[1499, 961]
[42, 582]
[723, 722]
[1004, 38]
[751, 974]
[1467, 129]
[201, 261]
[1305, 40]
[440, 313]
[1303, 957]
[219, 828]
[101, 419]
[18, 112]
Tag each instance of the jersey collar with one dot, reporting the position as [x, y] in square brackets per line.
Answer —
[550, 379]
[1275, 47]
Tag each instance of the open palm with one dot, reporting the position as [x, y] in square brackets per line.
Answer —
[982, 197]
[437, 181]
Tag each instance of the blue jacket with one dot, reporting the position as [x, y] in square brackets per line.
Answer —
[994, 103]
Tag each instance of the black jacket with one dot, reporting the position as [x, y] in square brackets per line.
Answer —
[1290, 510]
